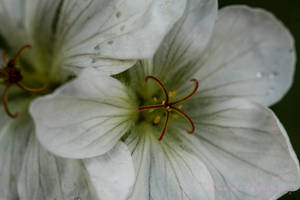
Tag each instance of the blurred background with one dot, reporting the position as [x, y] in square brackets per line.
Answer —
[288, 109]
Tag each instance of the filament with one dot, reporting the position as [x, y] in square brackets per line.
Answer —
[165, 126]
[160, 85]
[190, 94]
[31, 90]
[4, 98]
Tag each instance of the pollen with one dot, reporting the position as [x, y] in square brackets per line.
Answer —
[155, 99]
[172, 94]
[156, 119]
[175, 116]
[180, 107]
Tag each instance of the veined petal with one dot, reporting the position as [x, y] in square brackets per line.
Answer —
[184, 43]
[165, 171]
[113, 173]
[246, 150]
[11, 20]
[44, 176]
[95, 32]
[85, 117]
[14, 136]
[251, 54]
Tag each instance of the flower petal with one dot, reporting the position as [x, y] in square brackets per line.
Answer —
[14, 135]
[94, 33]
[11, 20]
[44, 176]
[85, 117]
[113, 173]
[246, 150]
[165, 171]
[251, 54]
[184, 43]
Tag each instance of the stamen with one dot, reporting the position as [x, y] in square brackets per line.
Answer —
[165, 126]
[19, 53]
[172, 94]
[12, 76]
[169, 107]
[31, 90]
[156, 120]
[175, 116]
[4, 58]
[160, 85]
[4, 97]
[150, 107]
[187, 118]
[190, 94]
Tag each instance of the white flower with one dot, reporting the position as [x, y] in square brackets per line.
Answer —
[237, 148]
[65, 37]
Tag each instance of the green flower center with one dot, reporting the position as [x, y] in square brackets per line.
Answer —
[170, 107]
[10, 76]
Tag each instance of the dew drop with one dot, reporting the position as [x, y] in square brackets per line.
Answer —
[110, 42]
[259, 74]
[118, 14]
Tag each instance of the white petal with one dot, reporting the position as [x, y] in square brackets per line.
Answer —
[189, 37]
[251, 54]
[94, 33]
[44, 176]
[165, 171]
[14, 135]
[85, 117]
[11, 20]
[183, 44]
[113, 173]
[246, 150]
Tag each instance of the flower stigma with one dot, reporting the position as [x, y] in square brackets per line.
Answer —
[10, 75]
[170, 106]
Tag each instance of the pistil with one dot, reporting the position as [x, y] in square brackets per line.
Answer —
[11, 75]
[170, 106]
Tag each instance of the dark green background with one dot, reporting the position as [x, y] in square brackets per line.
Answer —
[288, 109]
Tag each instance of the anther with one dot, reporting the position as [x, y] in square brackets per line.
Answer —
[13, 76]
[175, 116]
[156, 120]
[172, 94]
[170, 107]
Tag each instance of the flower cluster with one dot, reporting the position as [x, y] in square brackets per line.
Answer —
[143, 100]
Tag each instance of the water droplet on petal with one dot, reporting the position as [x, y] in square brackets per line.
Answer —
[259, 74]
[110, 42]
[94, 60]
